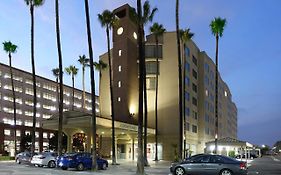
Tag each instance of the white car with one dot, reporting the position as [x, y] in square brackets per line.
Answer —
[45, 159]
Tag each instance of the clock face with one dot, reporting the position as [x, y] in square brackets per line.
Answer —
[135, 35]
[120, 30]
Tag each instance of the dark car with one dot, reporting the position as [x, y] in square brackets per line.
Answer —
[23, 157]
[209, 165]
[80, 161]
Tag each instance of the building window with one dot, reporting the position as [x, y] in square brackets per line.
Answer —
[119, 84]
[194, 115]
[135, 35]
[7, 132]
[194, 128]
[119, 53]
[18, 133]
[187, 96]
[151, 67]
[194, 60]
[187, 80]
[187, 112]
[225, 93]
[194, 87]
[194, 73]
[194, 101]
[187, 126]
[45, 135]
[119, 68]
[150, 83]
[187, 67]
[150, 51]
[187, 52]
[119, 99]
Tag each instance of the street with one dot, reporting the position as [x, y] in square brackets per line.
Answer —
[267, 165]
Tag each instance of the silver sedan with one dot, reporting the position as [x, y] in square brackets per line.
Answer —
[206, 164]
[45, 159]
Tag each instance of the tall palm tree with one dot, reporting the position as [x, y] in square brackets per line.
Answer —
[84, 62]
[56, 73]
[94, 129]
[217, 27]
[147, 17]
[11, 48]
[32, 4]
[157, 30]
[180, 83]
[60, 77]
[107, 19]
[72, 70]
[185, 36]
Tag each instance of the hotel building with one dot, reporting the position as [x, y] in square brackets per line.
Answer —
[199, 90]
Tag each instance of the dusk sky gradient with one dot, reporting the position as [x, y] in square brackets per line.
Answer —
[249, 55]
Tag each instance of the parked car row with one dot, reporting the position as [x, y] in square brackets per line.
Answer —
[80, 161]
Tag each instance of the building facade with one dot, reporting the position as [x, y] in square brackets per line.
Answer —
[47, 106]
[199, 90]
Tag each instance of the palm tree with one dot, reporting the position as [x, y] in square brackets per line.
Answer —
[140, 161]
[94, 129]
[107, 19]
[32, 4]
[84, 62]
[56, 73]
[217, 27]
[147, 16]
[72, 70]
[100, 66]
[11, 48]
[180, 83]
[157, 30]
[60, 78]
[185, 36]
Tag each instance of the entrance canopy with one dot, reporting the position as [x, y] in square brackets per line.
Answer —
[77, 121]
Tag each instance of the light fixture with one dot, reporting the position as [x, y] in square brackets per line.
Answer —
[132, 114]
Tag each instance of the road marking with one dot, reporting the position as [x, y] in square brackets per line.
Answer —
[276, 160]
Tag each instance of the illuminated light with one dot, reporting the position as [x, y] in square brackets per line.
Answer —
[122, 133]
[120, 30]
[102, 132]
[135, 35]
[225, 93]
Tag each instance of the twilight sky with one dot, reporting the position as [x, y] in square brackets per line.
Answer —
[250, 50]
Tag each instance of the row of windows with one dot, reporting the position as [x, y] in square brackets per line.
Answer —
[8, 132]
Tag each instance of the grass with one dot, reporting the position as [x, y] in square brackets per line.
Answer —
[4, 158]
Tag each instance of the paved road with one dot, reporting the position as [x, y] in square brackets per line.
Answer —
[267, 165]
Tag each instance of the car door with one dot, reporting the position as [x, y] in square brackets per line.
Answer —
[197, 165]
[214, 165]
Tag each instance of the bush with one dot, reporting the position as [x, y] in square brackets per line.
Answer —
[231, 154]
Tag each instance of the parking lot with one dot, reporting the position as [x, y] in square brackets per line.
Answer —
[267, 165]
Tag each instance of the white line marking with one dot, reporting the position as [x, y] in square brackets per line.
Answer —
[276, 160]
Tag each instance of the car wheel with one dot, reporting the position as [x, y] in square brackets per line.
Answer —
[80, 167]
[226, 172]
[104, 166]
[18, 161]
[64, 168]
[179, 171]
[52, 164]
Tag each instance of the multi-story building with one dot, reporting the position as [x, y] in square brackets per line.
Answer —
[47, 106]
[199, 89]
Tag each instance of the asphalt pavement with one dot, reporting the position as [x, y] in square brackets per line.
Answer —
[267, 165]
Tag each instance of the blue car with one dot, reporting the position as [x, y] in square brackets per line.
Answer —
[80, 161]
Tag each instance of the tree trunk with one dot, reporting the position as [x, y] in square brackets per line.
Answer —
[140, 162]
[33, 78]
[216, 97]
[94, 159]
[184, 113]
[156, 101]
[14, 103]
[111, 98]
[145, 108]
[61, 80]
[180, 83]
[72, 91]
[84, 93]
